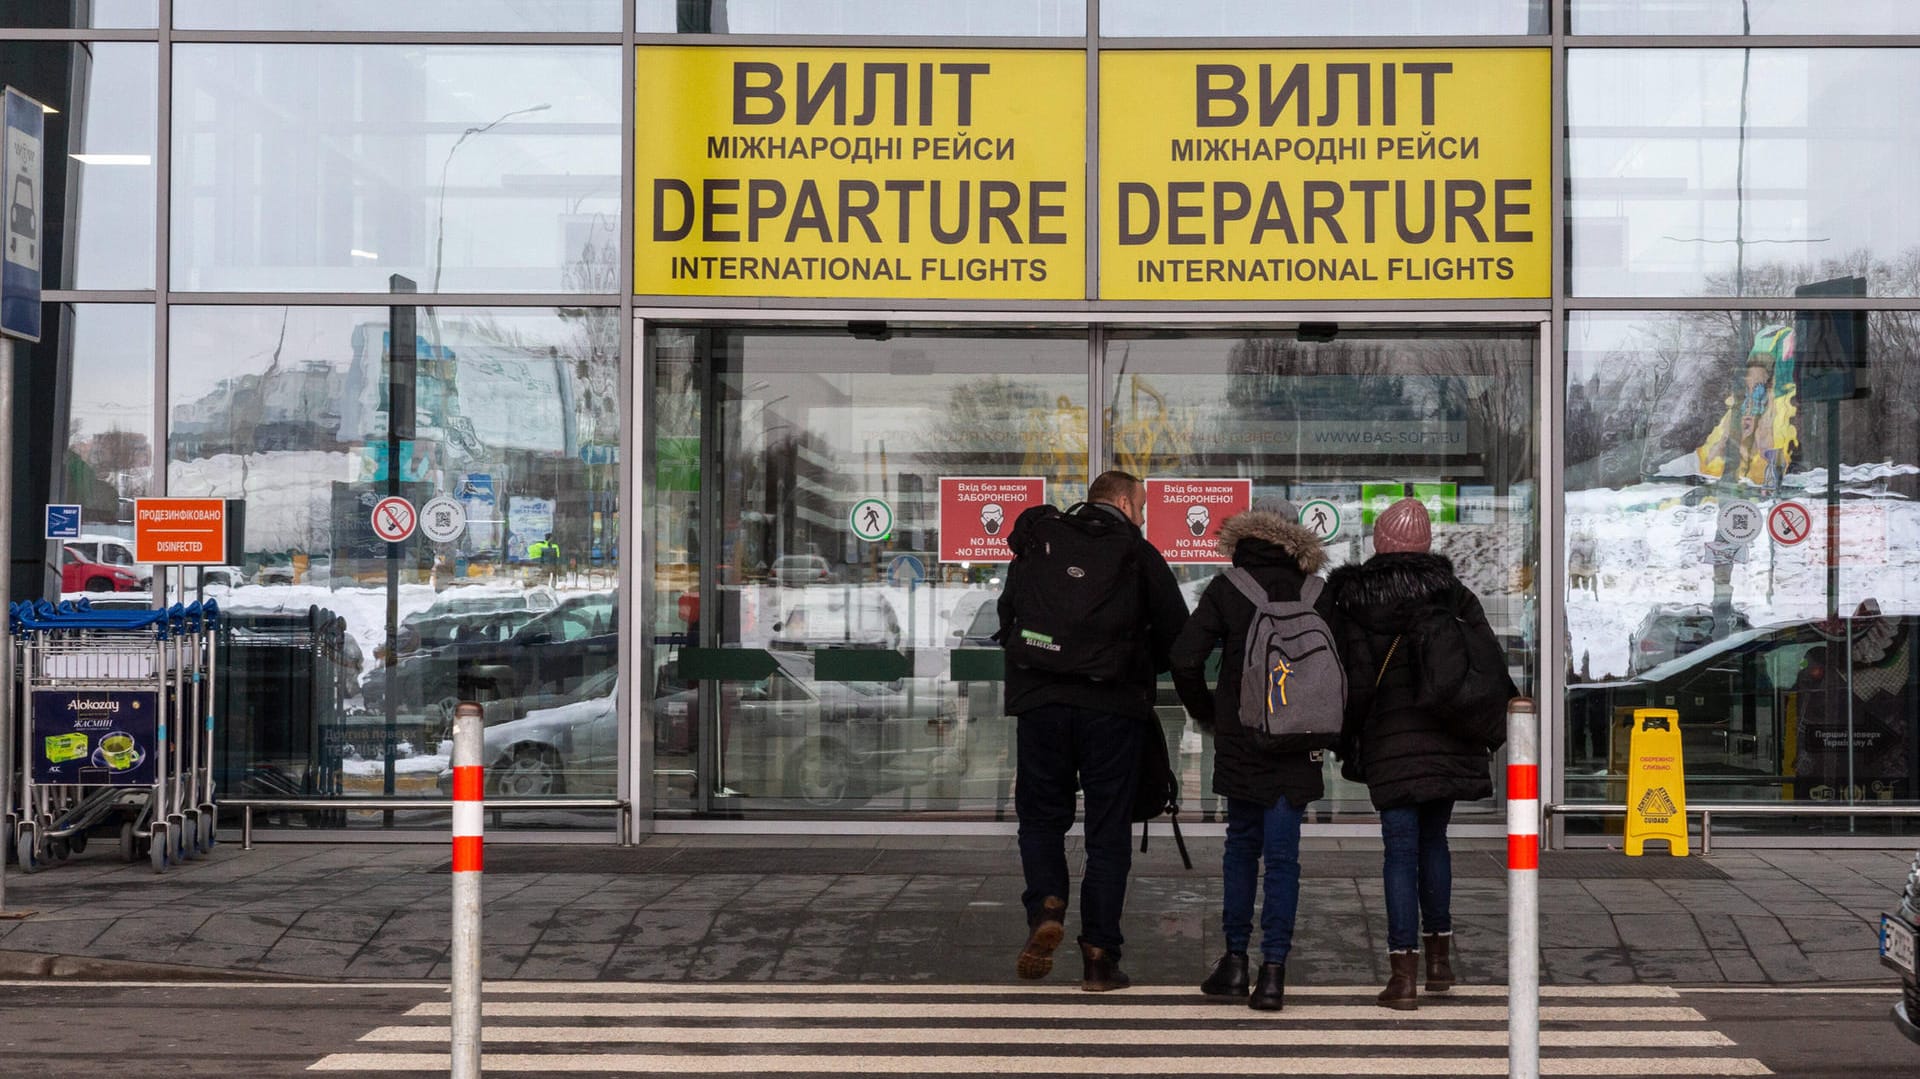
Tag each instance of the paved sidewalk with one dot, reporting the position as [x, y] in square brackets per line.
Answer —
[916, 908]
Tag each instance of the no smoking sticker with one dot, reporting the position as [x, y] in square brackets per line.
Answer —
[1789, 524]
[393, 519]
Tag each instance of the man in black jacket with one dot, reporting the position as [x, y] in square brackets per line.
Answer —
[1079, 733]
[1267, 790]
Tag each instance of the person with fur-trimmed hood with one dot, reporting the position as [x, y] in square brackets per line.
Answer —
[1266, 791]
[1415, 769]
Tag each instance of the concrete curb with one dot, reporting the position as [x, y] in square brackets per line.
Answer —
[80, 967]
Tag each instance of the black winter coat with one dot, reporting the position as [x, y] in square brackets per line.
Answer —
[1280, 555]
[1166, 612]
[1405, 750]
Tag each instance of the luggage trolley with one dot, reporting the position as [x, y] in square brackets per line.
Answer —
[118, 724]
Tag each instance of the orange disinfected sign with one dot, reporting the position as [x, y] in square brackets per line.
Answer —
[1183, 516]
[180, 531]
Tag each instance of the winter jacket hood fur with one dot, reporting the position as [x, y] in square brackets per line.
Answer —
[1300, 544]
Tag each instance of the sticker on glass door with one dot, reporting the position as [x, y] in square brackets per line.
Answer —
[1184, 516]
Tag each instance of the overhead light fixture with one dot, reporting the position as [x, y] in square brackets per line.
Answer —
[359, 254]
[113, 159]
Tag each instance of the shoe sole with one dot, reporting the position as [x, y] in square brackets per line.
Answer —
[1264, 1007]
[1104, 987]
[1400, 1005]
[1036, 959]
[1228, 998]
[1432, 988]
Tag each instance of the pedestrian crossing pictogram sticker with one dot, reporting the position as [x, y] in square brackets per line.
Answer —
[1322, 518]
[787, 1028]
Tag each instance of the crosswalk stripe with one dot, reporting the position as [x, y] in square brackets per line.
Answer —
[1103, 1064]
[1097, 1009]
[1616, 1038]
[1622, 992]
[1609, 992]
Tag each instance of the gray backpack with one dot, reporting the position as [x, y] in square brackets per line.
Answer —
[1293, 690]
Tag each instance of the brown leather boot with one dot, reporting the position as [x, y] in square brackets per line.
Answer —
[1044, 932]
[1402, 993]
[1101, 971]
[1439, 962]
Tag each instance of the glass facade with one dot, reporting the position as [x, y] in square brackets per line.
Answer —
[516, 417]
[103, 119]
[1730, 17]
[1740, 172]
[503, 16]
[885, 18]
[1310, 18]
[1788, 654]
[328, 168]
[658, 595]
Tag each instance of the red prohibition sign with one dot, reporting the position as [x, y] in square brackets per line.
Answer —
[393, 519]
[1789, 524]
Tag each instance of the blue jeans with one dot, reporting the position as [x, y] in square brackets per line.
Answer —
[1061, 748]
[1253, 832]
[1419, 872]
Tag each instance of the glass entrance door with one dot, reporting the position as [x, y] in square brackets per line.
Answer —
[826, 504]
[817, 650]
[1342, 422]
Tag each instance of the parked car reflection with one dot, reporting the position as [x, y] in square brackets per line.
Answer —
[826, 744]
[554, 652]
[1823, 709]
[471, 614]
[1672, 630]
[836, 616]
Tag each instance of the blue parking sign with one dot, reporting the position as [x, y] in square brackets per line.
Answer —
[63, 522]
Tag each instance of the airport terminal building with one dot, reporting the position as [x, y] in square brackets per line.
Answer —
[718, 343]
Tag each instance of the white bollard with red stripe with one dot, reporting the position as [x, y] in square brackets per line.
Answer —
[469, 786]
[1523, 891]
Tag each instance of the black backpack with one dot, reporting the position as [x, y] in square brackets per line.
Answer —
[1156, 791]
[1077, 595]
[1461, 673]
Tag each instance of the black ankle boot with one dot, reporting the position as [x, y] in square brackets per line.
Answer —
[1100, 970]
[1229, 977]
[1270, 994]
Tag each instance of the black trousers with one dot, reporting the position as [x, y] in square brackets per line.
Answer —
[1063, 749]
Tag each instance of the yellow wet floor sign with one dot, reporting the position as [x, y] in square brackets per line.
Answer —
[1656, 782]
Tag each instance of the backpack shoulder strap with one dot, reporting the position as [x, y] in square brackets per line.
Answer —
[1310, 590]
[1248, 587]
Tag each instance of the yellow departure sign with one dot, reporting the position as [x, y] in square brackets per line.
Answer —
[861, 173]
[1656, 783]
[1325, 174]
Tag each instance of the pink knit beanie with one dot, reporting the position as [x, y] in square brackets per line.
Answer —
[1403, 527]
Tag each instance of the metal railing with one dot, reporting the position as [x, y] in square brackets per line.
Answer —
[622, 830]
[1737, 809]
